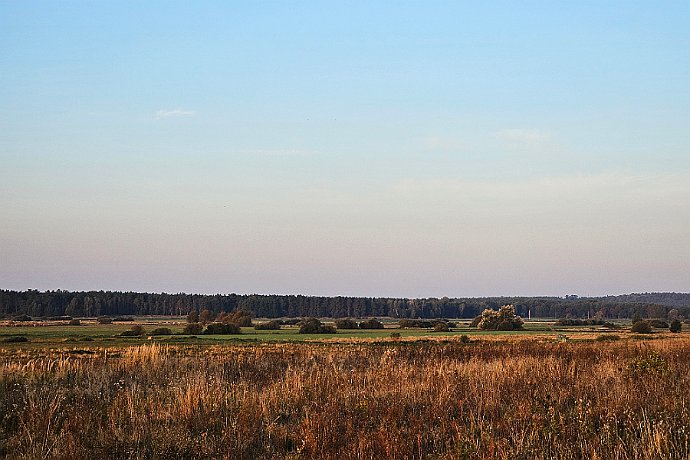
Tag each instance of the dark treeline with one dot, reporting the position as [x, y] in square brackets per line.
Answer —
[79, 304]
[671, 299]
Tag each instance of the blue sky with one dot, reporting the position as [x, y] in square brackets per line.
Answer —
[355, 148]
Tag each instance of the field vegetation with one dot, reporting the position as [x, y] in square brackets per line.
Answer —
[537, 393]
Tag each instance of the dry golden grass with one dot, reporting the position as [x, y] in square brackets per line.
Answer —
[505, 399]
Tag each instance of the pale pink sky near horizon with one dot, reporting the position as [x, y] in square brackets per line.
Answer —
[422, 149]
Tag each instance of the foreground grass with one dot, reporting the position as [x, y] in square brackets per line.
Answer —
[513, 398]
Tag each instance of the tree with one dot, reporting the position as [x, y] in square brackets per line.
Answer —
[242, 318]
[193, 316]
[206, 316]
[504, 319]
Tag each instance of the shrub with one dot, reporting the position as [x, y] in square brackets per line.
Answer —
[475, 321]
[659, 324]
[395, 335]
[347, 323]
[220, 328]
[581, 322]
[642, 327]
[74, 322]
[21, 317]
[441, 327]
[267, 326]
[104, 320]
[123, 319]
[676, 326]
[314, 326]
[407, 323]
[129, 333]
[465, 338]
[372, 323]
[161, 331]
[193, 329]
[504, 319]
[289, 322]
[16, 339]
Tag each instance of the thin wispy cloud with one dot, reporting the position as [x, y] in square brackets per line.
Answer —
[174, 113]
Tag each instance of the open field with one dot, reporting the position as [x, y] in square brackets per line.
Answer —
[519, 395]
[58, 333]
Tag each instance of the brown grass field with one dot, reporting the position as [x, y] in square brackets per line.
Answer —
[496, 397]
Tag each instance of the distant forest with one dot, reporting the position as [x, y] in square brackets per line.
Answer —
[95, 303]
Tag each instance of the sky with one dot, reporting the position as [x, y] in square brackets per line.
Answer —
[400, 149]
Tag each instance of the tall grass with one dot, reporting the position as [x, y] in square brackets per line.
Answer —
[506, 400]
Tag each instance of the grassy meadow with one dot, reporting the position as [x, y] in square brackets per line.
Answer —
[542, 393]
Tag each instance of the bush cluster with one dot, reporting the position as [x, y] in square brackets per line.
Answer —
[161, 331]
[504, 319]
[583, 322]
[658, 323]
[314, 326]
[347, 323]
[21, 317]
[410, 323]
[221, 328]
[16, 339]
[267, 326]
[642, 327]
[136, 331]
[440, 326]
[242, 318]
[193, 329]
[372, 323]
